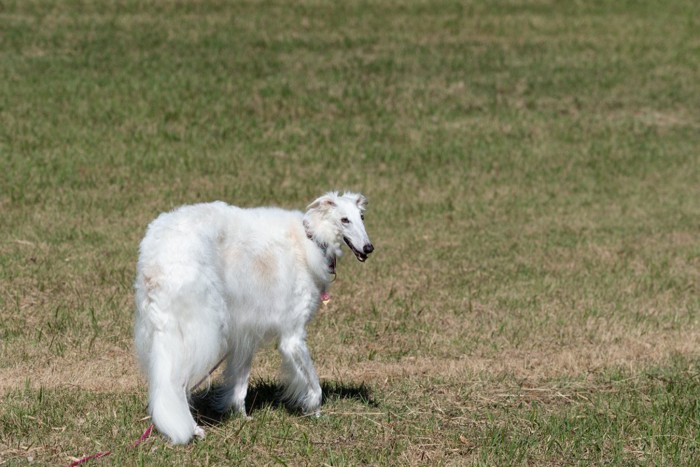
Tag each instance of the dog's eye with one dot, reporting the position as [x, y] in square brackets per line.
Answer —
[362, 216]
[345, 220]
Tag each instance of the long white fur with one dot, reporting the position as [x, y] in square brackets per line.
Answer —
[215, 282]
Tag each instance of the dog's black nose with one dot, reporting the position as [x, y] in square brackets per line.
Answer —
[368, 248]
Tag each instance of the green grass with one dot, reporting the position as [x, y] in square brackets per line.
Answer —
[650, 418]
[532, 169]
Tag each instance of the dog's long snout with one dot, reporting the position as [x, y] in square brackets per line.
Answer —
[367, 249]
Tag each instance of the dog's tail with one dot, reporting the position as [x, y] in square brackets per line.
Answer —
[168, 401]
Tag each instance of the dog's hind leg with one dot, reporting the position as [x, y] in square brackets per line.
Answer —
[302, 386]
[235, 387]
[167, 394]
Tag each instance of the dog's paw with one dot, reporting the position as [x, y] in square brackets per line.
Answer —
[312, 413]
[199, 432]
[242, 413]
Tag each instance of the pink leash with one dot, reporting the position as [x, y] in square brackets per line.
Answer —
[99, 455]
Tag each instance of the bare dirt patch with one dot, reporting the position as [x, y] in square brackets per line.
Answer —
[109, 369]
[630, 352]
[114, 369]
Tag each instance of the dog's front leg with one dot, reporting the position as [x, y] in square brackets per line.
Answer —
[302, 386]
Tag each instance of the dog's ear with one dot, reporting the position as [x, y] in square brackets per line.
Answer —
[361, 202]
[322, 203]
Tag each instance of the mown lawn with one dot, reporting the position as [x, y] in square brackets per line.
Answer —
[533, 171]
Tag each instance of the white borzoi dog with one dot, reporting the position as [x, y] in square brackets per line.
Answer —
[215, 281]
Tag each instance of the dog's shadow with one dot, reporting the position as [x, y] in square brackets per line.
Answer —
[266, 394]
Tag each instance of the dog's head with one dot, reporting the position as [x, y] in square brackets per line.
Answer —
[342, 216]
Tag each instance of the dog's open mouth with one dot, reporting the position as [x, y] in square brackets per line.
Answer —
[361, 257]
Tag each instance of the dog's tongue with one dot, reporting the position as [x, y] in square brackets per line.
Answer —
[325, 298]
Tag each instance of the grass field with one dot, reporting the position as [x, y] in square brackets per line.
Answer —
[533, 171]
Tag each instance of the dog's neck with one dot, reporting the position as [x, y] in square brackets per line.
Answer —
[325, 241]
